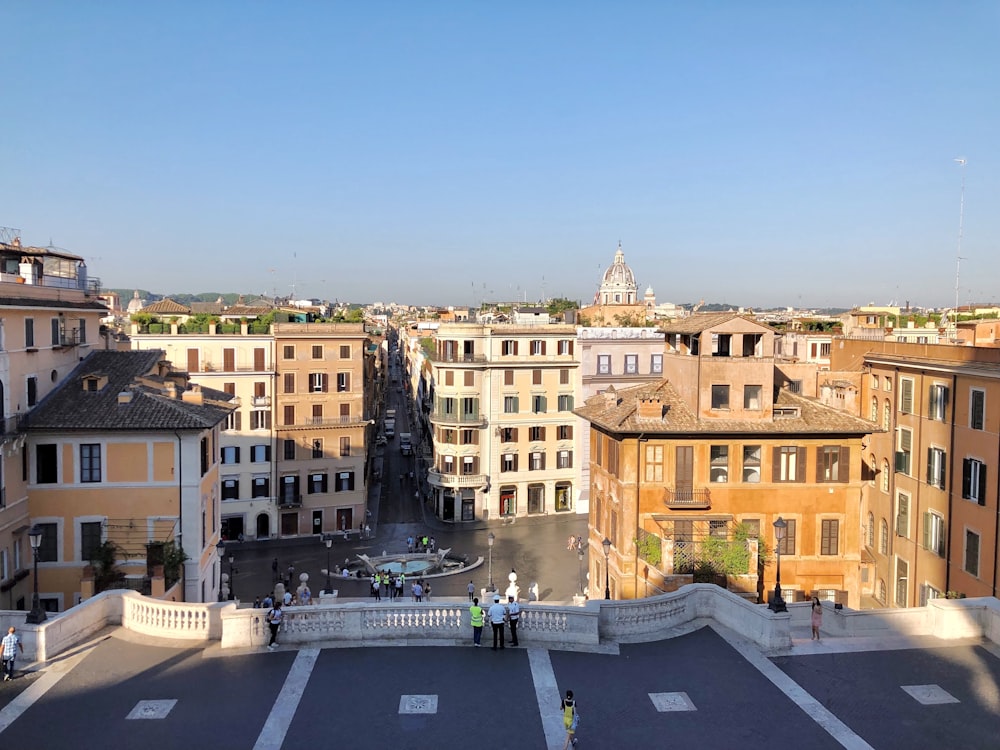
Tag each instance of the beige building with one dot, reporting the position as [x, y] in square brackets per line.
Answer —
[505, 440]
[50, 315]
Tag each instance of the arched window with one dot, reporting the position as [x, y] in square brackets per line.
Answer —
[871, 530]
[886, 414]
[874, 408]
[885, 475]
[883, 538]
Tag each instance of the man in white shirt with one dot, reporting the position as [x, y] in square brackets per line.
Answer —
[9, 646]
[513, 615]
[497, 614]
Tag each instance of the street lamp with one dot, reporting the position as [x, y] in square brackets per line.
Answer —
[777, 603]
[607, 573]
[37, 614]
[489, 540]
[579, 567]
[328, 541]
[220, 548]
[232, 582]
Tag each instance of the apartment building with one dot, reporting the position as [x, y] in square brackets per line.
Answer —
[505, 440]
[715, 450]
[50, 315]
[930, 512]
[324, 424]
[125, 451]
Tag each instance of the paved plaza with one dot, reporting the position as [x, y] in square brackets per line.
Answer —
[706, 688]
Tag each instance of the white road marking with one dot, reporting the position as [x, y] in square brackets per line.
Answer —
[929, 695]
[272, 735]
[548, 696]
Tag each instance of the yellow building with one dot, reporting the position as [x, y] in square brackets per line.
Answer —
[714, 451]
[50, 315]
[125, 452]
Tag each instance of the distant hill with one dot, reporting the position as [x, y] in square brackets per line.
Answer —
[229, 298]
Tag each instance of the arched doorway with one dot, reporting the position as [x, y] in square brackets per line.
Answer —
[263, 526]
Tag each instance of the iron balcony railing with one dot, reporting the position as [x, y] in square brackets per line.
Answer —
[697, 499]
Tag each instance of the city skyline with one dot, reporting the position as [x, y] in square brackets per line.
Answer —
[451, 153]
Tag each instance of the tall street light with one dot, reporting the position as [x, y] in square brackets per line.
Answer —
[232, 581]
[777, 603]
[37, 614]
[328, 541]
[220, 548]
[489, 540]
[579, 567]
[607, 572]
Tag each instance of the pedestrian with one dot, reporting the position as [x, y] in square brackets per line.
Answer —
[398, 593]
[345, 573]
[571, 542]
[418, 591]
[10, 645]
[306, 596]
[513, 615]
[432, 545]
[472, 591]
[274, 570]
[287, 599]
[409, 544]
[268, 601]
[817, 618]
[256, 602]
[291, 572]
[274, 616]
[476, 615]
[376, 587]
[497, 613]
[571, 719]
[368, 531]
[427, 592]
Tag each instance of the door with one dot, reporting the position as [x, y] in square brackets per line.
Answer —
[317, 522]
[684, 472]
[263, 526]
[345, 519]
[289, 524]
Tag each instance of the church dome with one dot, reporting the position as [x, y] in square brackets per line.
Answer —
[618, 286]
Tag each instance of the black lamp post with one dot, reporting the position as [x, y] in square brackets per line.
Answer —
[777, 603]
[220, 548]
[579, 567]
[607, 572]
[328, 541]
[489, 540]
[37, 614]
[232, 581]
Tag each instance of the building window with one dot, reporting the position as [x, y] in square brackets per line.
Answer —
[508, 434]
[260, 419]
[343, 382]
[345, 481]
[508, 377]
[719, 462]
[565, 346]
[971, 553]
[902, 581]
[974, 480]
[32, 387]
[318, 382]
[317, 352]
[230, 454]
[564, 432]
[90, 539]
[656, 364]
[469, 379]
[345, 447]
[508, 348]
[832, 463]
[536, 498]
[288, 382]
[631, 364]
[288, 415]
[751, 464]
[720, 396]
[260, 453]
[536, 377]
[536, 461]
[317, 448]
[829, 543]
[536, 433]
[870, 531]
[938, 401]
[564, 460]
[261, 487]
[90, 462]
[508, 462]
[470, 408]
[48, 550]
[288, 351]
[288, 449]
[538, 404]
[345, 351]
[564, 377]
[905, 445]
[230, 488]
[886, 414]
[906, 395]
[936, 461]
[751, 397]
[787, 544]
[885, 475]
[469, 437]
[46, 464]
[508, 501]
[205, 457]
[317, 483]
[789, 464]
[29, 333]
[565, 403]
[653, 463]
[874, 411]
[977, 409]
[469, 467]
[603, 364]
[934, 533]
[538, 347]
[883, 537]
[903, 515]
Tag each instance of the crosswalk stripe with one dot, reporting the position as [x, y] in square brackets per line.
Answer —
[272, 735]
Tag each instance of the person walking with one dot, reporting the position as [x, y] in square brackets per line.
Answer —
[376, 588]
[274, 616]
[268, 601]
[571, 718]
[513, 615]
[497, 614]
[817, 618]
[10, 645]
[291, 573]
[476, 615]
[274, 570]
[472, 591]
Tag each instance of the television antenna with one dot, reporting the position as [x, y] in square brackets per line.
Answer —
[962, 162]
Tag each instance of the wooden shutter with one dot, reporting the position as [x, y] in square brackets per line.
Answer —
[844, 470]
[229, 360]
[192, 360]
[821, 464]
[258, 359]
[982, 484]
[508, 377]
[966, 477]
[800, 465]
[776, 464]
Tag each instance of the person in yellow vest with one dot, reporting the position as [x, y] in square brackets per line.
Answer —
[476, 615]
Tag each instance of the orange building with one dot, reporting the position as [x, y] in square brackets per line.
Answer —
[715, 451]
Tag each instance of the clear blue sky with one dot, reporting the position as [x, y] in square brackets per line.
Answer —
[792, 153]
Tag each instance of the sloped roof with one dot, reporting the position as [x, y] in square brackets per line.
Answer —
[151, 408]
[703, 321]
[248, 311]
[167, 306]
[617, 411]
[207, 308]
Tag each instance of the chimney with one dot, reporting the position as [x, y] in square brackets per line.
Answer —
[125, 397]
[651, 408]
[193, 395]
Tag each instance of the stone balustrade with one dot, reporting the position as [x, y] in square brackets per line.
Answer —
[556, 625]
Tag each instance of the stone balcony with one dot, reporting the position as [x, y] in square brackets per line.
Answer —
[439, 479]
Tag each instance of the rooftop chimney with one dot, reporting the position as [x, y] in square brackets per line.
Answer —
[651, 408]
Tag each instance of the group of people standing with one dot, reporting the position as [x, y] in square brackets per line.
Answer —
[420, 543]
[499, 615]
[384, 584]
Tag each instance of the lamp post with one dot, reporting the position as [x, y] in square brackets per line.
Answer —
[579, 567]
[37, 614]
[777, 603]
[220, 548]
[489, 540]
[328, 541]
[607, 572]
[232, 582]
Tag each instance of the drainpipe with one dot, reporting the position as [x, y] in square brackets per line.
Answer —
[951, 498]
[638, 485]
[180, 501]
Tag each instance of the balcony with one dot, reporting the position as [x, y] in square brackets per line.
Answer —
[439, 479]
[470, 420]
[304, 422]
[261, 401]
[290, 501]
[687, 499]
[456, 358]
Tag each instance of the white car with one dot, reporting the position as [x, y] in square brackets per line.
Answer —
[380, 440]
